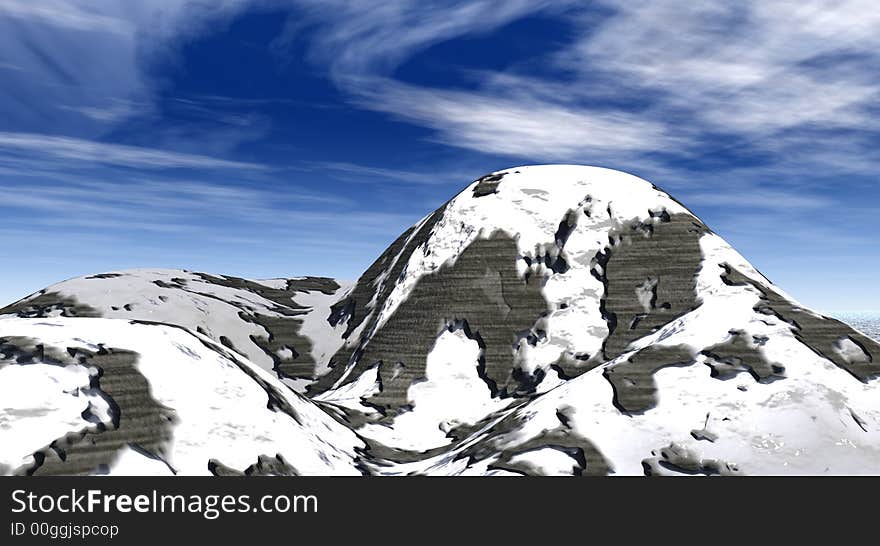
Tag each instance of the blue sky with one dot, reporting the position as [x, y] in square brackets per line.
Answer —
[279, 138]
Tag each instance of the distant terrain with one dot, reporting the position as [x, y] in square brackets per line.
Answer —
[867, 322]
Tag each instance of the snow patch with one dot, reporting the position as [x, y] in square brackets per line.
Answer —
[452, 394]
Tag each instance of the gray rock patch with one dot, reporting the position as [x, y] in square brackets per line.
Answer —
[739, 354]
[453, 295]
[488, 184]
[265, 466]
[676, 459]
[819, 333]
[137, 420]
[370, 293]
[649, 270]
[633, 380]
[49, 304]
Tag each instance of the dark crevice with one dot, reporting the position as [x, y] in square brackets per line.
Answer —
[151, 455]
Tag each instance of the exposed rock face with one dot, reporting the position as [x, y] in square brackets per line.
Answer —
[478, 290]
[546, 320]
[829, 338]
[645, 287]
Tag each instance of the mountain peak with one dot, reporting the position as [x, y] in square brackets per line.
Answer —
[547, 319]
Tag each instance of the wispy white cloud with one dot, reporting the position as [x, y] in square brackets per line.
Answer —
[381, 175]
[761, 101]
[192, 209]
[745, 66]
[751, 71]
[66, 14]
[746, 73]
[92, 152]
[114, 110]
[759, 199]
[88, 56]
[358, 39]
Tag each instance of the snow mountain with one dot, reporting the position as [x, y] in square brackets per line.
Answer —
[278, 324]
[552, 320]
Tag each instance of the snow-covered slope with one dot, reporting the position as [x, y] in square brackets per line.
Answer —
[90, 395]
[594, 286]
[546, 320]
[280, 324]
